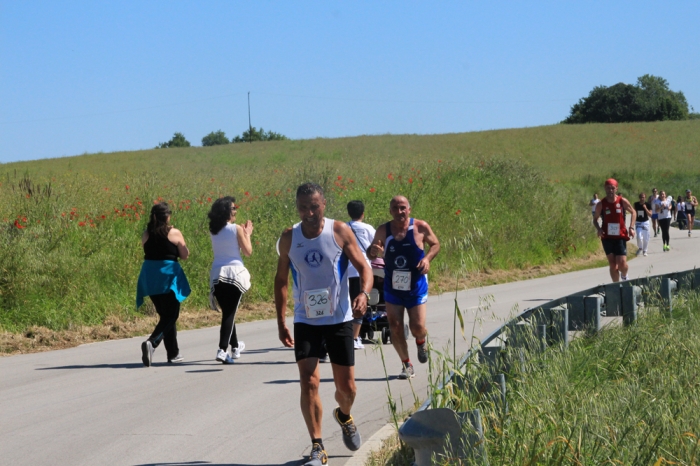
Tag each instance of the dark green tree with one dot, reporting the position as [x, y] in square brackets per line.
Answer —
[215, 138]
[178, 140]
[649, 100]
[253, 135]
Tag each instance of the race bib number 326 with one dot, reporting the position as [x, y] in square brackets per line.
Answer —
[318, 303]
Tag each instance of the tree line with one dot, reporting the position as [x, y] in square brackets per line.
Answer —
[650, 99]
[216, 138]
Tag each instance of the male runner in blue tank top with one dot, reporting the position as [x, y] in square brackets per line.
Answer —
[317, 251]
[402, 243]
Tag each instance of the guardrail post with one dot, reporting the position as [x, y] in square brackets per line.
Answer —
[591, 305]
[612, 300]
[629, 304]
[560, 324]
[577, 316]
[542, 337]
[667, 286]
[442, 432]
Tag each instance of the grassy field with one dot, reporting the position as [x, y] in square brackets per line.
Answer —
[498, 200]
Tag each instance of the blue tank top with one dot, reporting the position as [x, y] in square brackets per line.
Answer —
[319, 264]
[400, 256]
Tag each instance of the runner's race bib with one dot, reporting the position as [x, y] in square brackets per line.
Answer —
[401, 280]
[318, 303]
[613, 229]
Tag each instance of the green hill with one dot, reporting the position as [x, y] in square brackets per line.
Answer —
[505, 199]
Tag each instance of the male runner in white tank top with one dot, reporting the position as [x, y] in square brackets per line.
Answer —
[317, 251]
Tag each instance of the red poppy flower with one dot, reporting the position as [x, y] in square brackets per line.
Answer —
[372, 190]
[81, 224]
[18, 225]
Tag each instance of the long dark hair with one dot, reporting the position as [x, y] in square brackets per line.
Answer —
[158, 221]
[220, 213]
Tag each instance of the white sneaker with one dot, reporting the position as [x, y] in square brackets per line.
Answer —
[623, 278]
[645, 253]
[358, 343]
[221, 355]
[236, 352]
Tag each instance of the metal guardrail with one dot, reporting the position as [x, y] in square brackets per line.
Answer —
[551, 322]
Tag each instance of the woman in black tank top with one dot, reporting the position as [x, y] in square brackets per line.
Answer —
[163, 280]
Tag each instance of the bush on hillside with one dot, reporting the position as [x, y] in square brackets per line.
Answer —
[649, 100]
[178, 140]
[254, 134]
[215, 138]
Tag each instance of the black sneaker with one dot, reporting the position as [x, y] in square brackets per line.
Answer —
[318, 456]
[351, 437]
[147, 353]
[423, 352]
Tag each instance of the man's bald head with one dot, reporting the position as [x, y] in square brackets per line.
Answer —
[399, 200]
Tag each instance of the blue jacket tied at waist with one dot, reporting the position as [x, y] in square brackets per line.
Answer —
[160, 277]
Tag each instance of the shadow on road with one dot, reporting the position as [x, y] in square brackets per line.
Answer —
[195, 463]
[378, 379]
[126, 365]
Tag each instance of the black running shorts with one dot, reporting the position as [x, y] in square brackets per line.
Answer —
[308, 342]
[615, 246]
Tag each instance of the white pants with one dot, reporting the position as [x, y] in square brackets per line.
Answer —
[642, 231]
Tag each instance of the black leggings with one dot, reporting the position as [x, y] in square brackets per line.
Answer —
[229, 297]
[168, 308]
[665, 224]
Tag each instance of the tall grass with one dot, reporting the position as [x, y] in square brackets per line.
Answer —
[70, 227]
[625, 396]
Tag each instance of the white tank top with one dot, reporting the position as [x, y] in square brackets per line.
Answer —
[319, 270]
[225, 246]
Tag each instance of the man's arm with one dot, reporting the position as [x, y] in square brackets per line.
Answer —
[596, 216]
[432, 241]
[377, 247]
[346, 239]
[281, 287]
[628, 207]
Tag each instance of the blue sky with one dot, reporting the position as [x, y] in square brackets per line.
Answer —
[89, 76]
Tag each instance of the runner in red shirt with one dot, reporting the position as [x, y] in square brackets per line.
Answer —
[613, 233]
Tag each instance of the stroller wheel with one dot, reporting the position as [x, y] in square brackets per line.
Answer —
[370, 334]
[385, 335]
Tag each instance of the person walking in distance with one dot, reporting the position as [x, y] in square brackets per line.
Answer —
[663, 208]
[680, 213]
[691, 205]
[163, 279]
[317, 251]
[613, 232]
[364, 234]
[594, 202]
[402, 242]
[641, 227]
[228, 277]
[654, 215]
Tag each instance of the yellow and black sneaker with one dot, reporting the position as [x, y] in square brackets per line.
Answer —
[351, 437]
[318, 456]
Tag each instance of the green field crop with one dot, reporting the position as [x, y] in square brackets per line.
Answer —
[70, 227]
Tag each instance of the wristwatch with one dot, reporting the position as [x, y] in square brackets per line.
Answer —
[366, 295]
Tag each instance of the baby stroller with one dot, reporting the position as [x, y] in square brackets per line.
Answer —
[375, 319]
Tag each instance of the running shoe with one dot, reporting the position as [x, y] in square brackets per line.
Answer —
[351, 437]
[645, 253]
[689, 234]
[176, 359]
[407, 372]
[221, 355]
[318, 456]
[358, 343]
[323, 358]
[236, 352]
[147, 353]
[423, 352]
[623, 278]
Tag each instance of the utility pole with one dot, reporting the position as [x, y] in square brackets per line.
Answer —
[250, 128]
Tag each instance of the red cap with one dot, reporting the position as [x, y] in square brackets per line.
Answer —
[611, 181]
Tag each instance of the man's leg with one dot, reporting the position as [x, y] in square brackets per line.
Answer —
[621, 263]
[345, 389]
[416, 322]
[311, 407]
[394, 314]
[614, 272]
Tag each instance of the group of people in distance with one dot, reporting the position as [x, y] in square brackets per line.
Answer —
[331, 265]
[656, 214]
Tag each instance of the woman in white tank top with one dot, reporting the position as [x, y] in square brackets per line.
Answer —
[229, 278]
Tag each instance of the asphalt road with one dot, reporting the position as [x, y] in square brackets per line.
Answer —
[96, 404]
